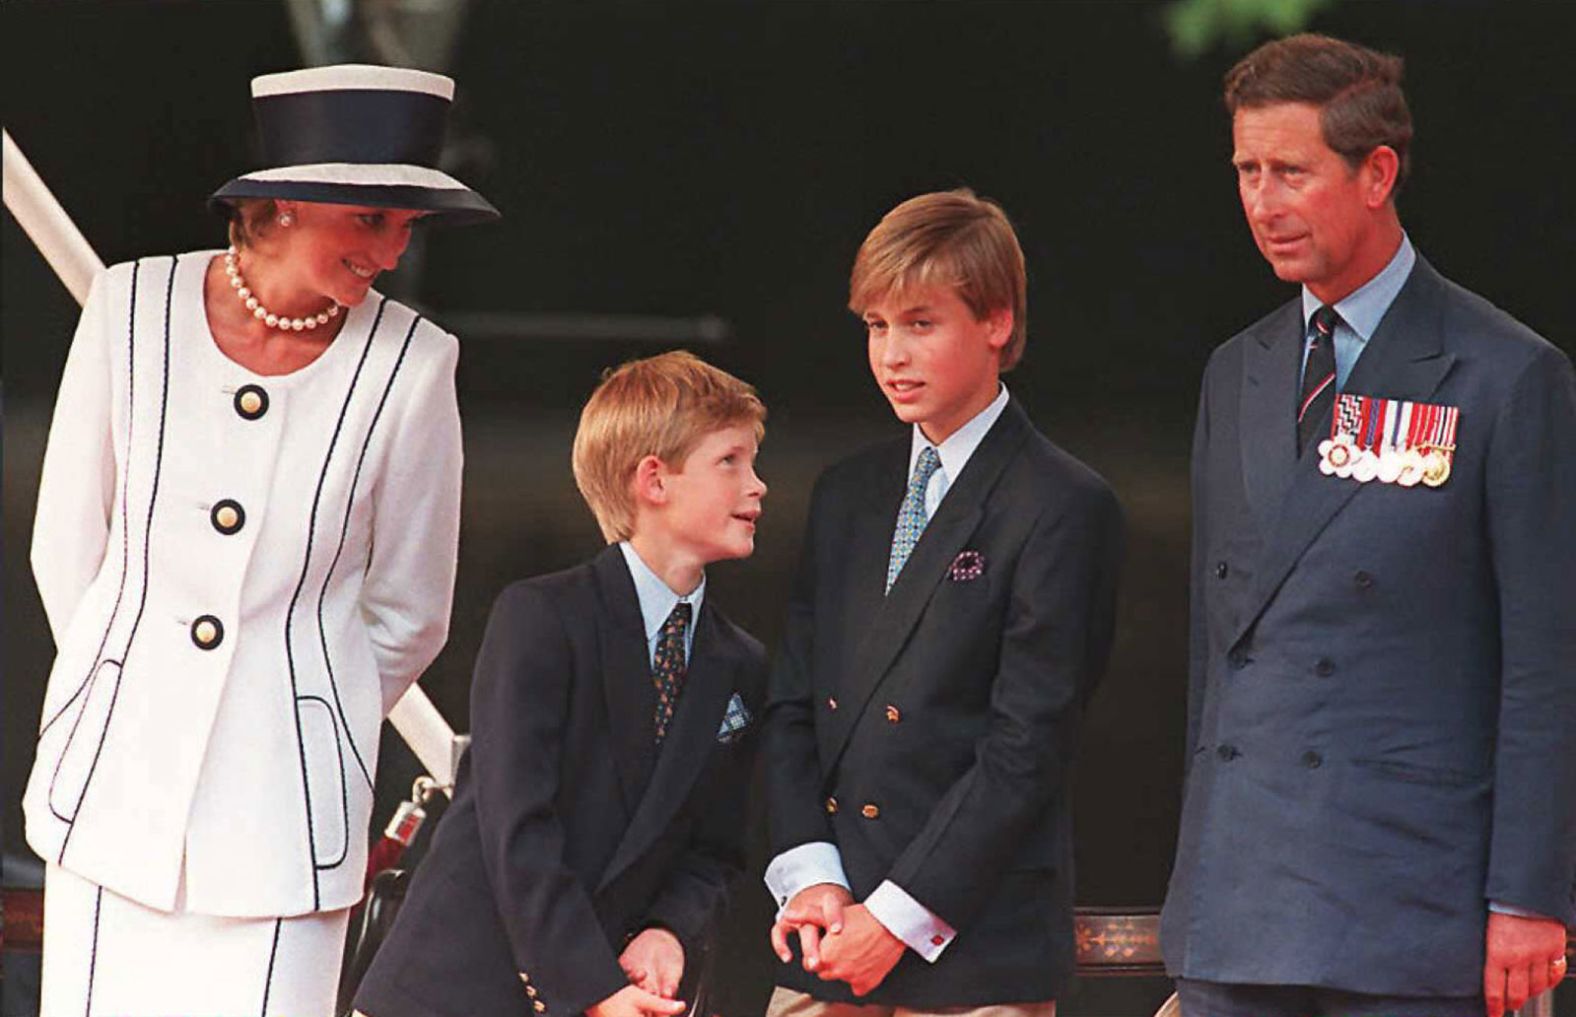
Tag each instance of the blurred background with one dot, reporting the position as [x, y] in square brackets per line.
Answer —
[700, 175]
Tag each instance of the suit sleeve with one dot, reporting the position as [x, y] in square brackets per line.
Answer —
[1198, 617]
[519, 706]
[1531, 507]
[409, 587]
[1055, 642]
[76, 489]
[697, 888]
[793, 765]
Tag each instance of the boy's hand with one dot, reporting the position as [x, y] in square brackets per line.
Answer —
[814, 909]
[633, 1001]
[654, 961]
[862, 953]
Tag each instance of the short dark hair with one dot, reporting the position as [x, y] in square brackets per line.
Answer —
[1357, 90]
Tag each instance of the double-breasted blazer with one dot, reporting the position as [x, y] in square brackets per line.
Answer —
[927, 733]
[570, 831]
[242, 574]
[1382, 710]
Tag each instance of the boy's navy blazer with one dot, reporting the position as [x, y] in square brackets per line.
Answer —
[928, 732]
[570, 831]
[1382, 711]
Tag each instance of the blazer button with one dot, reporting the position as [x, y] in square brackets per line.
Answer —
[227, 516]
[530, 990]
[207, 632]
[1227, 752]
[1324, 668]
[1363, 580]
[1222, 570]
[1238, 659]
[539, 1006]
[1312, 760]
[251, 401]
[831, 702]
[870, 811]
[831, 806]
[893, 714]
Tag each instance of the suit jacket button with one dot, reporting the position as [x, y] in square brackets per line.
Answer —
[1227, 752]
[1363, 580]
[530, 990]
[207, 632]
[871, 811]
[831, 702]
[1238, 660]
[251, 401]
[227, 516]
[539, 1006]
[893, 714]
[831, 806]
[1324, 668]
[1222, 570]
[1312, 760]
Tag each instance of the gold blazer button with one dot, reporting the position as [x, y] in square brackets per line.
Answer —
[831, 806]
[871, 811]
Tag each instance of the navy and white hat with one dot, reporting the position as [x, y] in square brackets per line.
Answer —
[354, 134]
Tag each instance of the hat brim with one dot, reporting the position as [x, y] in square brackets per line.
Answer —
[446, 206]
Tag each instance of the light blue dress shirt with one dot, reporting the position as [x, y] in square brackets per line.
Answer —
[1360, 312]
[657, 601]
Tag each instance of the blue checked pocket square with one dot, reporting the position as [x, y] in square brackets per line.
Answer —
[734, 721]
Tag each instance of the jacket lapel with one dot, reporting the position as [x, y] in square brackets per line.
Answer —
[893, 619]
[1268, 418]
[1405, 359]
[626, 675]
[708, 683]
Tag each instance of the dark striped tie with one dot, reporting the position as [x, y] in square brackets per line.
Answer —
[1318, 380]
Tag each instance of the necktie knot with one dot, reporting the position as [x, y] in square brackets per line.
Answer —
[1324, 320]
[924, 468]
[678, 620]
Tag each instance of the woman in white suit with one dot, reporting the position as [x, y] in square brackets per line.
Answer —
[245, 545]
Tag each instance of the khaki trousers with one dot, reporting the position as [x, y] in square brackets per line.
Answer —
[791, 1003]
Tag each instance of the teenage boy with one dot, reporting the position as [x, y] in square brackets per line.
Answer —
[952, 614]
[598, 816]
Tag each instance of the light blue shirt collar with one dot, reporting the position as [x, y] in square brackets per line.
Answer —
[960, 444]
[657, 599]
[1363, 308]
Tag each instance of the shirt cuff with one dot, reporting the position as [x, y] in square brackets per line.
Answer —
[806, 865]
[1514, 912]
[920, 929]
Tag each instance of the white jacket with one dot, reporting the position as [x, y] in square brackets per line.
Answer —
[243, 574]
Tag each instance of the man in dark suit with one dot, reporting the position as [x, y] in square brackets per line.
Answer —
[1379, 815]
[598, 815]
[952, 613]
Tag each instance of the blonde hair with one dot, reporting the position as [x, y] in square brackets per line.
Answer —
[947, 238]
[660, 406]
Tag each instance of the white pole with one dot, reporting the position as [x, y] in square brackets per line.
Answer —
[74, 261]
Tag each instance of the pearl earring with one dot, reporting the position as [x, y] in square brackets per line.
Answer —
[286, 219]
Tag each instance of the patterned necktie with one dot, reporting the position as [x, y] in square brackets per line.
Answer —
[1318, 380]
[668, 667]
[911, 517]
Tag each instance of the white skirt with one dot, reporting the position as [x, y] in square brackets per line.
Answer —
[106, 955]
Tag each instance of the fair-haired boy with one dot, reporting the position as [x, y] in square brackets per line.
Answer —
[953, 611]
[598, 816]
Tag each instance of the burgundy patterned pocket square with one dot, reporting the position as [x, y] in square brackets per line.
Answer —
[966, 567]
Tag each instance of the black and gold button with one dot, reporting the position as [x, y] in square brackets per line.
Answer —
[831, 806]
[251, 401]
[227, 516]
[870, 810]
[1222, 570]
[1324, 668]
[893, 714]
[1312, 760]
[207, 632]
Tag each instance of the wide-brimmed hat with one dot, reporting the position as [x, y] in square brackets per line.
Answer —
[354, 134]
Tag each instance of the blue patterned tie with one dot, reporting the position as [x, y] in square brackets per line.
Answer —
[912, 517]
[669, 666]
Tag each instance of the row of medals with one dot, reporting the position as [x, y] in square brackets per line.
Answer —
[1340, 457]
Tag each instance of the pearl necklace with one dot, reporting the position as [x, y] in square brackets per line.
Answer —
[262, 313]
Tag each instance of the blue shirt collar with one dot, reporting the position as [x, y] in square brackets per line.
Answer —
[1365, 307]
[960, 444]
[656, 597]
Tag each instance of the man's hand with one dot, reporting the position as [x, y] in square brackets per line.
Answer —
[814, 910]
[633, 1001]
[862, 953]
[654, 961]
[1519, 960]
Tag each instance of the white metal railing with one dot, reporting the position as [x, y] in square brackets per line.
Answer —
[73, 259]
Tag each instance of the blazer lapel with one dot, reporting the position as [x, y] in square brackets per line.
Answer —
[626, 675]
[708, 683]
[1405, 359]
[894, 617]
[1268, 417]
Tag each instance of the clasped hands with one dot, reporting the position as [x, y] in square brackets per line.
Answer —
[838, 939]
[654, 964]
